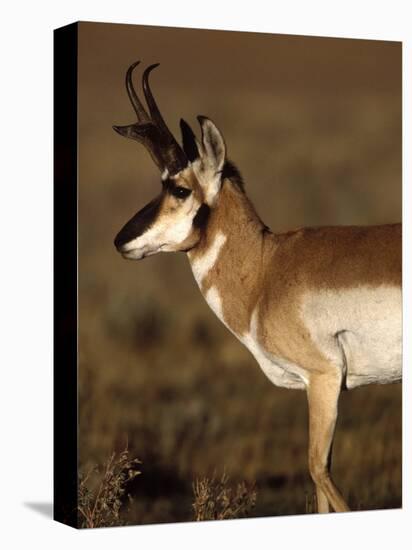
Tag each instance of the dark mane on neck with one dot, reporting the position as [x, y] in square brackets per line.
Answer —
[231, 172]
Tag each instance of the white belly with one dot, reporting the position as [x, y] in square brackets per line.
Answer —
[359, 329]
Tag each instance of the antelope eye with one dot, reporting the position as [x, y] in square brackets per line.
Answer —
[180, 192]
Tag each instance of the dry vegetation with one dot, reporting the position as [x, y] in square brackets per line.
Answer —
[101, 494]
[156, 367]
[215, 499]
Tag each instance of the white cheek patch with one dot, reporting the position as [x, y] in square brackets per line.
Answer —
[201, 266]
[177, 231]
[180, 225]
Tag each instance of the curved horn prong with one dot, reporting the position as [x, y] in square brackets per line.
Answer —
[140, 111]
[175, 156]
[153, 108]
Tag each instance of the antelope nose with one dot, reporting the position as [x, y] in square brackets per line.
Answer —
[120, 241]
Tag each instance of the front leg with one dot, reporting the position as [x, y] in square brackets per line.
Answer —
[323, 395]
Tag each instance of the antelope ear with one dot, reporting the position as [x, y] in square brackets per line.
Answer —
[190, 144]
[214, 148]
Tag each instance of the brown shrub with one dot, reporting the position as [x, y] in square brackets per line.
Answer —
[215, 499]
[100, 507]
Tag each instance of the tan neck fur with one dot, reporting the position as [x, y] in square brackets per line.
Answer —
[238, 270]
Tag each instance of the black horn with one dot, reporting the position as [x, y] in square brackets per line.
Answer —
[153, 108]
[151, 130]
[141, 114]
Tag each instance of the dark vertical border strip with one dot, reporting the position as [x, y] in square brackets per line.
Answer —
[65, 274]
[402, 100]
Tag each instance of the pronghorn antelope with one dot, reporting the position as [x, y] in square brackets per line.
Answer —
[319, 308]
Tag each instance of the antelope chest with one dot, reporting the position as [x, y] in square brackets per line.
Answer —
[280, 371]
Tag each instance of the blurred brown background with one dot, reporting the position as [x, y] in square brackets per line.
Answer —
[314, 124]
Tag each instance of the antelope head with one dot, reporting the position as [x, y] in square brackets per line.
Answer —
[191, 178]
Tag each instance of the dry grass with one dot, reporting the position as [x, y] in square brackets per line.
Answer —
[311, 503]
[100, 506]
[103, 498]
[215, 499]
